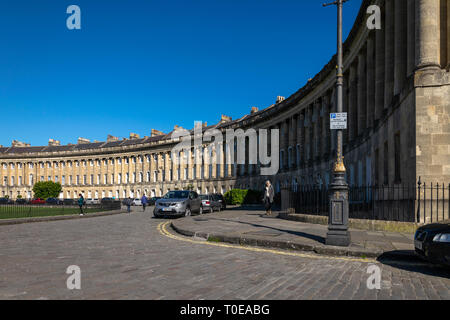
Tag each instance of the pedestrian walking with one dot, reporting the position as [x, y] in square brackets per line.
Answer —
[144, 202]
[268, 197]
[81, 203]
[129, 201]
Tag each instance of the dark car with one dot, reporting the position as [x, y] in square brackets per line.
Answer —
[21, 201]
[107, 200]
[432, 242]
[53, 201]
[152, 201]
[219, 198]
[68, 202]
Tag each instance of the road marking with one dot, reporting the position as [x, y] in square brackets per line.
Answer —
[162, 228]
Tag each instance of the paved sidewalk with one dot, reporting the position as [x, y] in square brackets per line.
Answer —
[252, 227]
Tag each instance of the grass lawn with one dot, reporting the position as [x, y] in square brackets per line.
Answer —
[26, 211]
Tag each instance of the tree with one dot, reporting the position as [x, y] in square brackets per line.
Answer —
[46, 189]
[190, 187]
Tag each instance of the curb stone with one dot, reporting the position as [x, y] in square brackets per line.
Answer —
[287, 245]
[6, 222]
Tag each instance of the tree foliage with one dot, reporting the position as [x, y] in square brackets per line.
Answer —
[46, 189]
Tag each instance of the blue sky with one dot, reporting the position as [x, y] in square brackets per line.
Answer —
[142, 64]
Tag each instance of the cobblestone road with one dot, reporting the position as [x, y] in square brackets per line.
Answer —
[126, 257]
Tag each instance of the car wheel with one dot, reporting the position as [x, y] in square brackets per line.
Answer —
[187, 213]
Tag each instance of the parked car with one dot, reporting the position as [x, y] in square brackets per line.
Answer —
[6, 201]
[210, 203]
[53, 201]
[21, 201]
[178, 203]
[107, 201]
[220, 198]
[38, 201]
[92, 201]
[152, 201]
[136, 202]
[432, 242]
[68, 202]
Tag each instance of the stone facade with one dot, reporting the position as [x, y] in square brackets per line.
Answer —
[396, 93]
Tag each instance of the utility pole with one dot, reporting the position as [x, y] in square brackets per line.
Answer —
[338, 234]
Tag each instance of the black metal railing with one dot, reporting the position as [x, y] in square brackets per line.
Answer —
[12, 211]
[421, 202]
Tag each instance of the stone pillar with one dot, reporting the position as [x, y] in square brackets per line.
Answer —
[345, 107]
[352, 105]
[379, 69]
[390, 54]
[400, 45]
[316, 138]
[448, 35]
[370, 81]
[301, 136]
[307, 135]
[324, 116]
[362, 92]
[411, 37]
[427, 34]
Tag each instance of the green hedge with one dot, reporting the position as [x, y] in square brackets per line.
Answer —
[239, 196]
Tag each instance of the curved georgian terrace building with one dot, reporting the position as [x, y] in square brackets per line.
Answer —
[396, 93]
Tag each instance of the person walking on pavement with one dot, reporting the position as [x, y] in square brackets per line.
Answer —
[129, 204]
[144, 202]
[81, 203]
[268, 198]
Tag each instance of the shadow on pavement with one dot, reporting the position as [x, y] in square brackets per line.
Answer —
[407, 260]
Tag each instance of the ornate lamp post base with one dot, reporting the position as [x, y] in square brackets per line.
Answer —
[338, 234]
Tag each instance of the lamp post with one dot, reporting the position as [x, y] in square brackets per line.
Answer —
[338, 234]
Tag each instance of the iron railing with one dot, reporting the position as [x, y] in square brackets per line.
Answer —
[12, 211]
[421, 202]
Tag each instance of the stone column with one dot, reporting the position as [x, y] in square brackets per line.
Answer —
[427, 34]
[400, 45]
[411, 37]
[325, 117]
[308, 155]
[390, 54]
[362, 92]
[370, 81]
[379, 69]
[301, 137]
[448, 35]
[352, 105]
[317, 138]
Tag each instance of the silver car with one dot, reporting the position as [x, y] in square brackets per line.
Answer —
[178, 203]
[210, 203]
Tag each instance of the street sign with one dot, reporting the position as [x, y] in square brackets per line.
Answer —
[338, 121]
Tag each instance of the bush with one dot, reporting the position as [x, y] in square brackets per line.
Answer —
[46, 189]
[239, 196]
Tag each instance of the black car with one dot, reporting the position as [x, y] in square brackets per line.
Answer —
[69, 202]
[21, 201]
[219, 198]
[107, 200]
[152, 201]
[432, 242]
[4, 201]
[53, 201]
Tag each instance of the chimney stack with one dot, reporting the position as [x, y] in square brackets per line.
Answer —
[156, 133]
[111, 138]
[225, 118]
[83, 141]
[280, 99]
[53, 142]
[134, 136]
[16, 143]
